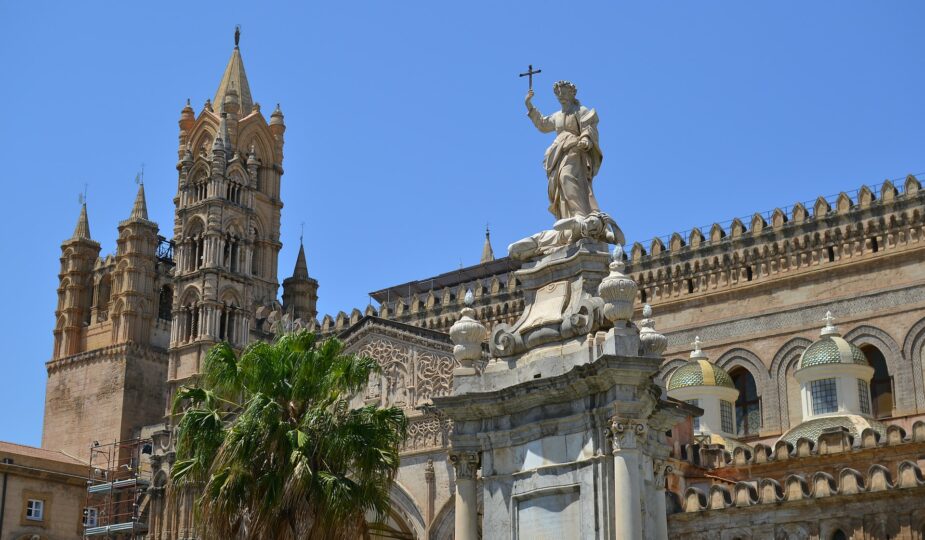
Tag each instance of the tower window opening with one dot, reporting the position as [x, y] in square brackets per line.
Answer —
[748, 404]
[165, 303]
[881, 385]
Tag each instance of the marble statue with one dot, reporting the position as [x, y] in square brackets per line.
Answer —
[574, 157]
[571, 162]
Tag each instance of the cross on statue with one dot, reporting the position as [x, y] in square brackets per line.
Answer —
[829, 319]
[530, 73]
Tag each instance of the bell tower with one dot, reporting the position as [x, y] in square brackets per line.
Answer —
[226, 224]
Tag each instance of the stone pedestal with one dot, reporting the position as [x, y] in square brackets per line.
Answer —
[570, 432]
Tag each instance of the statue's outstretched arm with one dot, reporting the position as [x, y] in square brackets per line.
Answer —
[542, 123]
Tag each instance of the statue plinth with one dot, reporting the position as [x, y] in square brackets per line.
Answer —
[566, 421]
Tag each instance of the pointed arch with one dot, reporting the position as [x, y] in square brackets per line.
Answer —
[787, 413]
[444, 523]
[767, 394]
[667, 368]
[913, 352]
[900, 370]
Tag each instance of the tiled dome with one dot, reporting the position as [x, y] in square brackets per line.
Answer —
[699, 373]
[831, 348]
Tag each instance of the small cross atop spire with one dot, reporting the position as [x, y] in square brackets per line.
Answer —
[697, 343]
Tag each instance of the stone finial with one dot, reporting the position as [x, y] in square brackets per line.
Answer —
[617, 289]
[697, 353]
[467, 335]
[829, 329]
[653, 343]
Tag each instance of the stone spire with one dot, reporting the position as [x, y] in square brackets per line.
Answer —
[82, 230]
[301, 268]
[488, 254]
[235, 78]
[140, 208]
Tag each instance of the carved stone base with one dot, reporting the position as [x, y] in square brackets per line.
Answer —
[570, 446]
[560, 295]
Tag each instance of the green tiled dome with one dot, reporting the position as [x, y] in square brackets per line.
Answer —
[699, 373]
[811, 429]
[832, 349]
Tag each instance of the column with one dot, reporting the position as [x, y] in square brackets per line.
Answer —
[467, 512]
[627, 484]
[661, 469]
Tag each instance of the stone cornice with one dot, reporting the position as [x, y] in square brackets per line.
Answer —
[110, 353]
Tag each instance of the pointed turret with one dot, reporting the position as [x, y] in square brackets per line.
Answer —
[140, 208]
[82, 230]
[488, 254]
[300, 292]
[235, 78]
[301, 267]
[78, 257]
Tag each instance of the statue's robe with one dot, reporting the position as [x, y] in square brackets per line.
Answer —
[570, 170]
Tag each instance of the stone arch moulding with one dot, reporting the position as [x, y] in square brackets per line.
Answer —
[405, 508]
[750, 362]
[913, 350]
[904, 386]
[664, 372]
[444, 523]
[784, 358]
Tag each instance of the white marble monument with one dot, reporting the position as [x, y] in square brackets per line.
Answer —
[563, 429]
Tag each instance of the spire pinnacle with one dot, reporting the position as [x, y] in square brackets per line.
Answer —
[301, 267]
[235, 77]
[488, 254]
[140, 208]
[82, 230]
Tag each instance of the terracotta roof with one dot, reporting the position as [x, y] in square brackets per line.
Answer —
[40, 453]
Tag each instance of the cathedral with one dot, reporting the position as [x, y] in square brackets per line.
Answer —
[779, 386]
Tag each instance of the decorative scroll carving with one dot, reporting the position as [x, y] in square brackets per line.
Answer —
[434, 375]
[428, 432]
[625, 433]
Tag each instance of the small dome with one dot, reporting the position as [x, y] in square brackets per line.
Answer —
[831, 348]
[811, 429]
[699, 373]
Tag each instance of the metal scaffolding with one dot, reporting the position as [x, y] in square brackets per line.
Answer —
[116, 481]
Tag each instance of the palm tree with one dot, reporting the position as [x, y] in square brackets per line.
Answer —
[273, 444]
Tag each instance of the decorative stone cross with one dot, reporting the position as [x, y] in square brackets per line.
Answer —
[829, 319]
[530, 73]
[697, 343]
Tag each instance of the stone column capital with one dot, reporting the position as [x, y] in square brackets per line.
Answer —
[465, 463]
[661, 468]
[626, 433]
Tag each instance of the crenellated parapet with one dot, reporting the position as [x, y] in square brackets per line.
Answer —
[780, 243]
[829, 232]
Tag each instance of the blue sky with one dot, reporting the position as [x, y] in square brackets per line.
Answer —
[407, 131]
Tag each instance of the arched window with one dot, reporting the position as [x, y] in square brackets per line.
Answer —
[881, 386]
[748, 404]
[165, 303]
[839, 535]
[255, 255]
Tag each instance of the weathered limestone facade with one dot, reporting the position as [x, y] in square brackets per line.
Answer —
[133, 325]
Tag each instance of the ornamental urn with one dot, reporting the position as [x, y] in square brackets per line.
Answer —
[617, 289]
